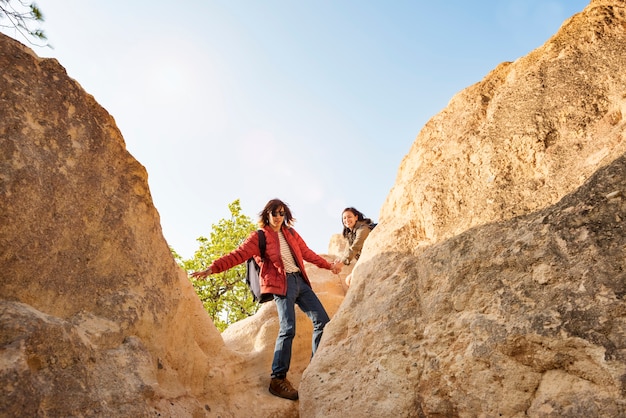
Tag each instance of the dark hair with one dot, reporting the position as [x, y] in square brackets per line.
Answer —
[359, 217]
[272, 206]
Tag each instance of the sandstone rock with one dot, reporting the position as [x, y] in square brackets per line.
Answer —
[494, 282]
[517, 317]
[492, 286]
[96, 319]
[337, 245]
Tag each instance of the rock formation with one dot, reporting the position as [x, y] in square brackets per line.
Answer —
[96, 319]
[494, 284]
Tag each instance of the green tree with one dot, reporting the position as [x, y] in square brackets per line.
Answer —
[21, 15]
[225, 296]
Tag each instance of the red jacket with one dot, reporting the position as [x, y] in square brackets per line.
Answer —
[273, 276]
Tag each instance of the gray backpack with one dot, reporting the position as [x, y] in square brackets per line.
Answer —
[253, 270]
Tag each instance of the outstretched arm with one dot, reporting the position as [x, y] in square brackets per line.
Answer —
[249, 248]
[201, 274]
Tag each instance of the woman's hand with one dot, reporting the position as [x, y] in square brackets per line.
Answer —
[201, 274]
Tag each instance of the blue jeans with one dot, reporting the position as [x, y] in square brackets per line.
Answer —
[298, 292]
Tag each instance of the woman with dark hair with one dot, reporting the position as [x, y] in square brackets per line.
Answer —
[284, 278]
[356, 228]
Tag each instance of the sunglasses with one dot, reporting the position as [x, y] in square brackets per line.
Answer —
[281, 213]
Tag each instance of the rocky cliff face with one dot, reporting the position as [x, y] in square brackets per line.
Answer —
[96, 319]
[494, 283]
[492, 286]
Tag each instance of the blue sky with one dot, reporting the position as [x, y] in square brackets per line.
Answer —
[313, 102]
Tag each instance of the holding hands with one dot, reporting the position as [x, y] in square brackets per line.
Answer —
[336, 266]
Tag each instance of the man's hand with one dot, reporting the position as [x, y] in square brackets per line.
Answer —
[201, 274]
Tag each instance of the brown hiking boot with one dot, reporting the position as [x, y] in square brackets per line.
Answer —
[283, 389]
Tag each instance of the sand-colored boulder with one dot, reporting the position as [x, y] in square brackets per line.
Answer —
[494, 282]
[492, 286]
[96, 319]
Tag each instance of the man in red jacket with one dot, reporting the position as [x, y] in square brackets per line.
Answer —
[282, 276]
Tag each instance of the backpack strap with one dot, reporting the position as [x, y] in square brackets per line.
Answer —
[261, 234]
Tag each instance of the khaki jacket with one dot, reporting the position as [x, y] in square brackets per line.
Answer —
[356, 238]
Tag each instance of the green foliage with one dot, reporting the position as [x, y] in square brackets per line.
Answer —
[225, 296]
[20, 15]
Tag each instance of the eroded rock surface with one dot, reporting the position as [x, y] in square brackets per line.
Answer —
[492, 286]
[494, 282]
[96, 319]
